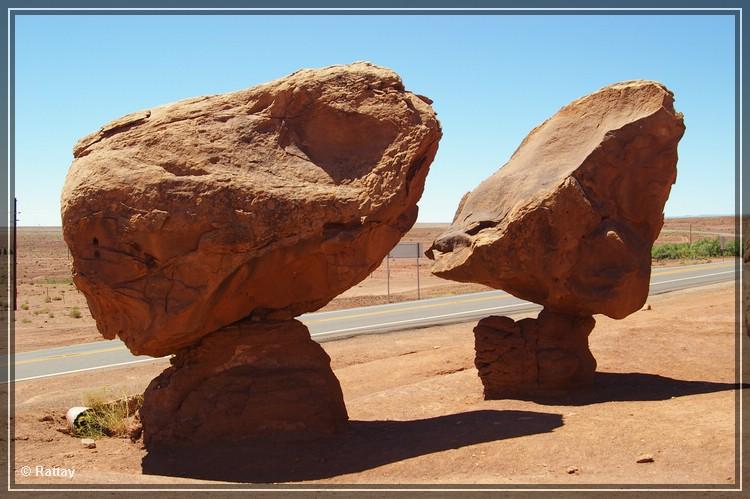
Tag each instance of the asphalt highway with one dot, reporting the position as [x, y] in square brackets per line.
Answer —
[326, 326]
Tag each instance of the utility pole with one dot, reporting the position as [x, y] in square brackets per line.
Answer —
[690, 232]
[419, 247]
[388, 275]
[15, 255]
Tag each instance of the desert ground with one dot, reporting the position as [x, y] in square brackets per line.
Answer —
[665, 387]
[53, 313]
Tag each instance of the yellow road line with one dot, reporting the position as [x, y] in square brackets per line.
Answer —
[472, 300]
[68, 355]
[362, 314]
[408, 309]
[682, 271]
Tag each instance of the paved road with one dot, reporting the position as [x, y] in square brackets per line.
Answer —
[326, 326]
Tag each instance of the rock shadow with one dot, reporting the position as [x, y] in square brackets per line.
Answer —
[360, 446]
[633, 387]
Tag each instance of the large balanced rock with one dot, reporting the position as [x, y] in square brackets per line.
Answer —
[267, 202]
[250, 379]
[569, 221]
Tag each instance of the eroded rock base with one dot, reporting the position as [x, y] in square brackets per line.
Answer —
[546, 356]
[247, 380]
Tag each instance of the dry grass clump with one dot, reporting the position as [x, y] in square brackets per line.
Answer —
[110, 418]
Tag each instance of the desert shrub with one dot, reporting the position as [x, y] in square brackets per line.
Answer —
[111, 418]
[704, 248]
[732, 248]
[48, 299]
[58, 280]
[670, 251]
[75, 313]
[24, 306]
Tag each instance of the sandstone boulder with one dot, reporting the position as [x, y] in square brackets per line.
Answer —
[569, 220]
[548, 355]
[267, 202]
[250, 379]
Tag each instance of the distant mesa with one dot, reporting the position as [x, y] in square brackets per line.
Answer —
[569, 221]
[257, 205]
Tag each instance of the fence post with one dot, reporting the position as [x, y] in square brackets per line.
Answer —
[388, 275]
[419, 297]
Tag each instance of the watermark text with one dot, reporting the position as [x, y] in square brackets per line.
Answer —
[48, 471]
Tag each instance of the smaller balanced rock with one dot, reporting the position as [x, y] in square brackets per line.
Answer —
[568, 222]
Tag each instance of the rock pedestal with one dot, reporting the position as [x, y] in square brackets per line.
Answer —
[548, 355]
[250, 379]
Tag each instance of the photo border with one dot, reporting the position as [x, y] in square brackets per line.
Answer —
[346, 8]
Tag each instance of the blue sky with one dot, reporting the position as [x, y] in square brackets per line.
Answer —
[492, 79]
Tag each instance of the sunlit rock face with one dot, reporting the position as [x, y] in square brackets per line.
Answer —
[569, 221]
[268, 202]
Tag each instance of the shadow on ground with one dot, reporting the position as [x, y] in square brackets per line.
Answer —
[638, 387]
[362, 445]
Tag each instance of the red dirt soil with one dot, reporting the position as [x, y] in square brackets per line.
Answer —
[665, 387]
